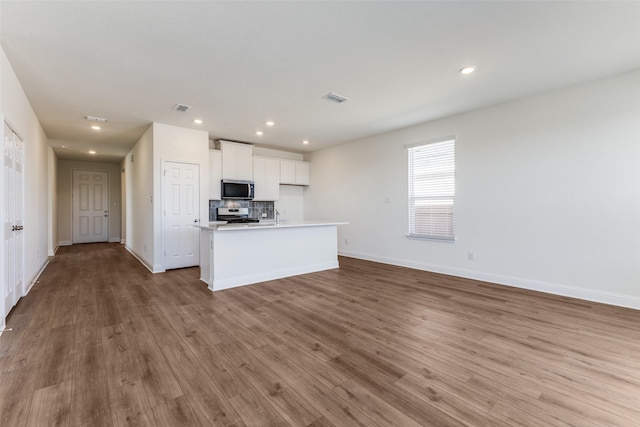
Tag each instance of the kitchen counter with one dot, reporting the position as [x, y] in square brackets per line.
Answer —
[224, 226]
[241, 254]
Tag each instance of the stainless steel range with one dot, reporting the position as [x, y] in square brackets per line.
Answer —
[235, 215]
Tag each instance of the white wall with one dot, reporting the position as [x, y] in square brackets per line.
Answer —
[16, 109]
[548, 193]
[138, 166]
[64, 193]
[291, 203]
[171, 143]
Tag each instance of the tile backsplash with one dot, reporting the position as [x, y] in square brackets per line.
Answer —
[256, 209]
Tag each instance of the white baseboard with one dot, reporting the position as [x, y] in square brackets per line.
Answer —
[249, 279]
[114, 240]
[604, 297]
[123, 241]
[65, 243]
[36, 277]
[135, 255]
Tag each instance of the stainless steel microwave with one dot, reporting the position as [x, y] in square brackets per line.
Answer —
[239, 190]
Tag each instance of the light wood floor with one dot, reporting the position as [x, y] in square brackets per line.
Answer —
[100, 341]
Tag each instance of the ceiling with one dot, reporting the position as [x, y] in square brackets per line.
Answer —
[240, 63]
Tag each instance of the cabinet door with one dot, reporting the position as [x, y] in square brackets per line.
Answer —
[287, 172]
[272, 175]
[266, 176]
[259, 178]
[302, 173]
[215, 174]
[229, 161]
[244, 162]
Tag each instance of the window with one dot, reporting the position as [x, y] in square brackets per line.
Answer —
[432, 190]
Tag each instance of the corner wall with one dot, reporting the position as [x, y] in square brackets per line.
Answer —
[547, 193]
[138, 166]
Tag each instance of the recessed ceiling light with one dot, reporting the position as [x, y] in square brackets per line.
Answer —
[197, 121]
[92, 152]
[269, 123]
[305, 142]
[259, 133]
[467, 70]
[95, 127]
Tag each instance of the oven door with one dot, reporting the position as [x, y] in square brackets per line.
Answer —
[238, 190]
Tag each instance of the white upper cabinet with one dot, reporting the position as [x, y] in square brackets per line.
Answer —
[237, 160]
[294, 172]
[266, 177]
[215, 174]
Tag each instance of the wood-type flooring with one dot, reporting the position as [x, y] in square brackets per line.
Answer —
[100, 341]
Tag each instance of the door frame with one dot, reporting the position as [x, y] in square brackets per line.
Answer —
[71, 212]
[163, 162]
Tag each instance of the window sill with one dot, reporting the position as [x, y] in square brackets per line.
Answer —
[432, 239]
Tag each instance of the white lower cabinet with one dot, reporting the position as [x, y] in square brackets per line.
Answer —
[266, 177]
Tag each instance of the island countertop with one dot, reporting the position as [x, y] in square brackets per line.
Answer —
[217, 226]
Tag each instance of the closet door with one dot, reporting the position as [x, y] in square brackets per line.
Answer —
[12, 219]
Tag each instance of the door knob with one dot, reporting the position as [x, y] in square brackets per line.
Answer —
[14, 228]
[196, 220]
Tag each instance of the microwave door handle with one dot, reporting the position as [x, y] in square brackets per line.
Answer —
[249, 189]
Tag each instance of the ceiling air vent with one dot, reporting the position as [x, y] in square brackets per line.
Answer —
[182, 108]
[335, 97]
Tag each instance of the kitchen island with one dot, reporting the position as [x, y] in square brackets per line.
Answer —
[242, 254]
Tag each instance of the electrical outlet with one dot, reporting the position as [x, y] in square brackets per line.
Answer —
[346, 241]
[470, 256]
[387, 199]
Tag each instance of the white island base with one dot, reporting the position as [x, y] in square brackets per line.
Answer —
[245, 254]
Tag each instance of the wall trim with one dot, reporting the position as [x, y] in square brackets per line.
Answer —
[604, 297]
[123, 241]
[36, 277]
[114, 240]
[65, 243]
[132, 252]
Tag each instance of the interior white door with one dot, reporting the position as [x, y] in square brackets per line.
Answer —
[181, 213]
[90, 196]
[12, 219]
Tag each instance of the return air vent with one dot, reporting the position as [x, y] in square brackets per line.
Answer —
[182, 108]
[335, 97]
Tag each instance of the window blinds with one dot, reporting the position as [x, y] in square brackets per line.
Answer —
[432, 190]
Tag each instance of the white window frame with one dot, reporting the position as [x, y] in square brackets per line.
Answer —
[431, 189]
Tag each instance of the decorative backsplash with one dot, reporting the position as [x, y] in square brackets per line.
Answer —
[256, 209]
